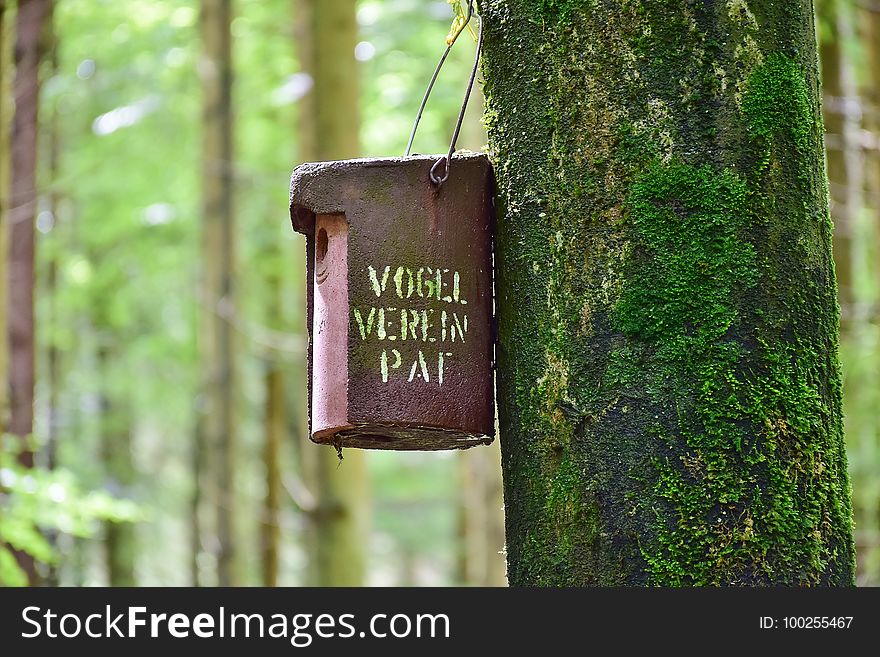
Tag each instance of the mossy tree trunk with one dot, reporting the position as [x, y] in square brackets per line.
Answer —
[329, 130]
[669, 385]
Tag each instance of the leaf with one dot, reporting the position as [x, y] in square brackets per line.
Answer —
[21, 534]
[11, 573]
[459, 20]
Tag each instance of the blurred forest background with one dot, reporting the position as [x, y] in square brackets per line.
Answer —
[145, 150]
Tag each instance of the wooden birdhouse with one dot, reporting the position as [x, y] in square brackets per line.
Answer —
[400, 310]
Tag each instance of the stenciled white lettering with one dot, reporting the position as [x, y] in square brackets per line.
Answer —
[418, 326]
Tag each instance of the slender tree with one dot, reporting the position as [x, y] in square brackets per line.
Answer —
[52, 198]
[50, 282]
[871, 38]
[6, 107]
[669, 385]
[275, 427]
[838, 96]
[30, 20]
[216, 422]
[481, 513]
[116, 439]
[329, 125]
[481, 518]
[863, 431]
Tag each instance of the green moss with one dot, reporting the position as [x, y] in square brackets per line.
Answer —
[777, 102]
[752, 484]
[689, 262]
[763, 505]
[561, 9]
[564, 542]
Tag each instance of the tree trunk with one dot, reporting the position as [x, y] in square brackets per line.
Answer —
[481, 513]
[7, 37]
[275, 429]
[481, 518]
[119, 537]
[835, 73]
[30, 20]
[53, 357]
[51, 320]
[217, 410]
[669, 384]
[862, 429]
[871, 26]
[329, 125]
[198, 463]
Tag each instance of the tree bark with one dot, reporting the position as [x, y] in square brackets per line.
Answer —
[836, 90]
[275, 429]
[198, 463]
[329, 127]
[863, 431]
[7, 37]
[30, 20]
[481, 512]
[119, 538]
[53, 353]
[669, 383]
[53, 356]
[217, 410]
[481, 518]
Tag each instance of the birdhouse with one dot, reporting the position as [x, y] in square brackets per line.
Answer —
[400, 315]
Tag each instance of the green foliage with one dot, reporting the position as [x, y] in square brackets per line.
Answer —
[36, 501]
[459, 20]
[125, 239]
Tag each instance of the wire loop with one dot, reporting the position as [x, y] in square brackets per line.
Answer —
[446, 160]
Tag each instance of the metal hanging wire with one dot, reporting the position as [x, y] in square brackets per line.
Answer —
[446, 160]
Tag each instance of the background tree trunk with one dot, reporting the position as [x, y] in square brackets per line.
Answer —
[836, 89]
[481, 518]
[217, 409]
[198, 531]
[7, 37]
[481, 504]
[861, 391]
[275, 427]
[329, 125]
[50, 284]
[116, 435]
[30, 20]
[669, 386]
[53, 355]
